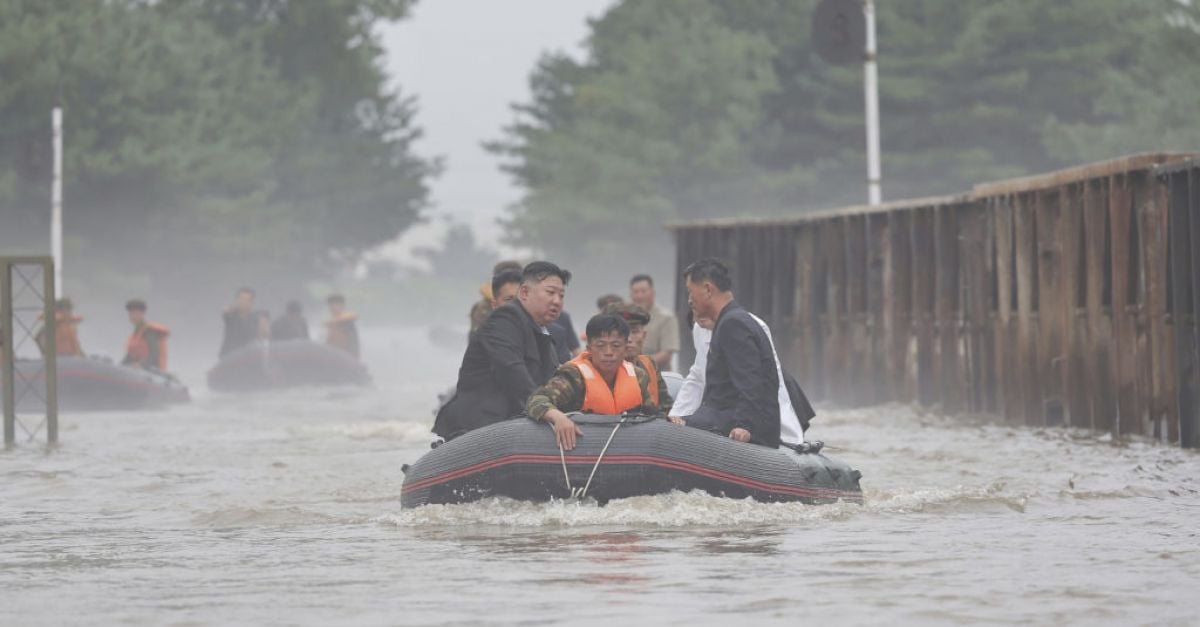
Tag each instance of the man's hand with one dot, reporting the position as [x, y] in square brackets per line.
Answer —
[677, 420]
[739, 434]
[565, 429]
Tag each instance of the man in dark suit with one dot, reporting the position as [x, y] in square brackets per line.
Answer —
[509, 356]
[741, 389]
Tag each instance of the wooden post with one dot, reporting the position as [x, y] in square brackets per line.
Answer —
[1009, 400]
[923, 271]
[1026, 358]
[1098, 263]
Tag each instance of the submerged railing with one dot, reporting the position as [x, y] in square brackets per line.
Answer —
[27, 304]
[1068, 298]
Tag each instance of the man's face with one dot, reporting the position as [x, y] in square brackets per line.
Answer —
[700, 296]
[642, 294]
[336, 308]
[137, 316]
[544, 299]
[637, 337]
[507, 294]
[245, 301]
[607, 352]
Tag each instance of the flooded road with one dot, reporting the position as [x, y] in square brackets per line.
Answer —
[284, 509]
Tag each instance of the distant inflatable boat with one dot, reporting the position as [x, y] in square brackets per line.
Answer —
[519, 459]
[98, 384]
[291, 363]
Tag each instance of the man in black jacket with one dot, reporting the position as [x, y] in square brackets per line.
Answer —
[741, 389]
[509, 356]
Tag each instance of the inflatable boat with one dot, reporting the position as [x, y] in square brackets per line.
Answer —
[620, 457]
[97, 384]
[290, 363]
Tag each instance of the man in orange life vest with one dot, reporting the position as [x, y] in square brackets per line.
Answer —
[341, 328]
[598, 381]
[637, 318]
[66, 329]
[147, 345]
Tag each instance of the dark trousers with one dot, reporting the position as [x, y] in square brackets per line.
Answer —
[710, 419]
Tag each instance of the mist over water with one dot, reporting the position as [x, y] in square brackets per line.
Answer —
[283, 508]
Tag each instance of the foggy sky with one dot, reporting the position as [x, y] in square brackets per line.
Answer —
[467, 61]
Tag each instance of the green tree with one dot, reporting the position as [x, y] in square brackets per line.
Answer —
[685, 110]
[657, 121]
[206, 141]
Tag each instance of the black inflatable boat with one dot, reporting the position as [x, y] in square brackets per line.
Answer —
[98, 384]
[289, 363]
[519, 459]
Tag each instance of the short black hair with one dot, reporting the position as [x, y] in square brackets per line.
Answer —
[607, 300]
[245, 290]
[504, 278]
[712, 270]
[603, 324]
[294, 307]
[64, 303]
[539, 271]
[509, 264]
[135, 304]
[336, 298]
[638, 278]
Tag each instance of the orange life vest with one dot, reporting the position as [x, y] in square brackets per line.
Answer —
[652, 370]
[341, 334]
[66, 334]
[598, 397]
[137, 348]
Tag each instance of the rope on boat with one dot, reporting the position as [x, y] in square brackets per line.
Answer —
[581, 493]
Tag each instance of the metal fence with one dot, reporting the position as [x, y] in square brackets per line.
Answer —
[27, 305]
[1063, 299]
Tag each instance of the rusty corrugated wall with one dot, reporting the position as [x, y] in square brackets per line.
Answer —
[1063, 299]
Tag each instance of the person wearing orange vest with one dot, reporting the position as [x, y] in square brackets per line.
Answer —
[597, 381]
[147, 345]
[637, 318]
[66, 329]
[341, 328]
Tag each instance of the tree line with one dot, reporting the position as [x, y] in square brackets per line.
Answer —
[206, 141]
[688, 109]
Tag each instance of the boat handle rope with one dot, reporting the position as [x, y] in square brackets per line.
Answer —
[581, 493]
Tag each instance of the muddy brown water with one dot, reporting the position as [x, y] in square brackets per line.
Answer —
[284, 509]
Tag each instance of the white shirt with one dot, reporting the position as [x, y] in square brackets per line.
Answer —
[692, 390]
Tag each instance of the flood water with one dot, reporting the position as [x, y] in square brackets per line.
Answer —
[284, 509]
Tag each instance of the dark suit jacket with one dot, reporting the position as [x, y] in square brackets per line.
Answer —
[741, 387]
[507, 358]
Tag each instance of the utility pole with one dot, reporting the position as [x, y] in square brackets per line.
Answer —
[871, 89]
[844, 34]
[56, 202]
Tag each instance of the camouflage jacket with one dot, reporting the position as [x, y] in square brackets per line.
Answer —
[664, 396]
[565, 392]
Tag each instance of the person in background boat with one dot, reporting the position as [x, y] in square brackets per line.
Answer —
[505, 287]
[243, 325]
[291, 325]
[509, 356]
[795, 412]
[662, 334]
[481, 308]
[66, 330]
[637, 319]
[741, 390]
[147, 345]
[341, 329]
[598, 381]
